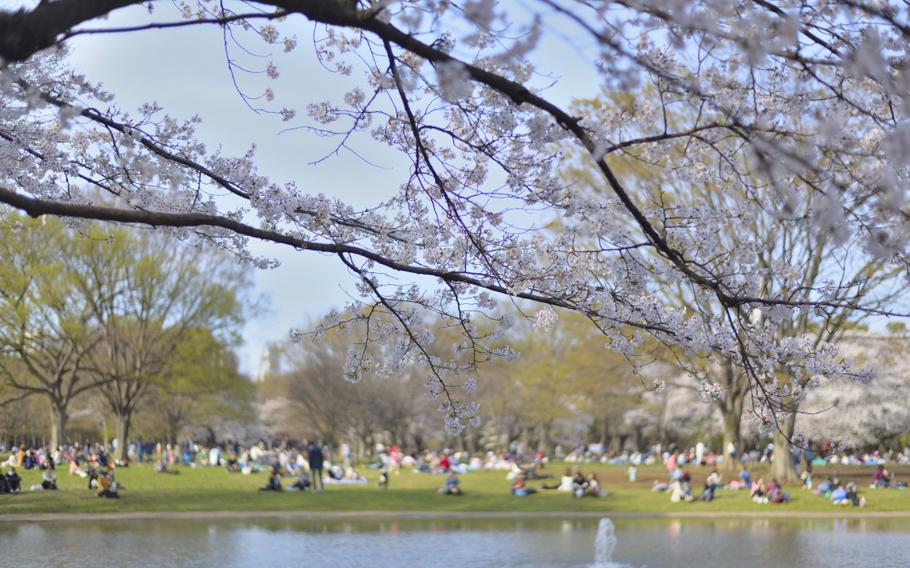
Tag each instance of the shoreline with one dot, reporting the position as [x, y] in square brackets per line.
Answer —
[430, 515]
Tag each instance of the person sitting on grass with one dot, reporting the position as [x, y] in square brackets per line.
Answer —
[49, 480]
[593, 489]
[421, 465]
[74, 469]
[881, 477]
[685, 478]
[351, 474]
[680, 489]
[679, 492]
[825, 487]
[806, 477]
[444, 463]
[302, 483]
[887, 477]
[13, 481]
[839, 496]
[759, 491]
[711, 485]
[106, 485]
[878, 477]
[111, 474]
[92, 475]
[452, 487]
[161, 467]
[565, 482]
[776, 493]
[853, 496]
[274, 482]
[519, 488]
[579, 484]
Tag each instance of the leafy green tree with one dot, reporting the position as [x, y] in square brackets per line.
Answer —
[200, 386]
[147, 292]
[46, 332]
[564, 375]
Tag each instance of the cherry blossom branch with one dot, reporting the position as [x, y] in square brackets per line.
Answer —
[38, 207]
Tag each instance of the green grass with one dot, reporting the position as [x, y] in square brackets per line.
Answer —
[213, 489]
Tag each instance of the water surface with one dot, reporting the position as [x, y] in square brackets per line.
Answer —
[655, 543]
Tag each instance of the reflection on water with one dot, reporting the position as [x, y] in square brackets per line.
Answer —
[656, 543]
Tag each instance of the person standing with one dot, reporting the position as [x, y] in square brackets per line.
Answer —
[316, 459]
[346, 455]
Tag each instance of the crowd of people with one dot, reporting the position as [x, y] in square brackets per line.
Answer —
[679, 485]
[838, 492]
[578, 484]
[310, 466]
[702, 454]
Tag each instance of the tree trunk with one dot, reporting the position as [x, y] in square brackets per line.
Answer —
[173, 425]
[123, 433]
[543, 438]
[782, 469]
[104, 436]
[615, 446]
[731, 410]
[732, 427]
[58, 426]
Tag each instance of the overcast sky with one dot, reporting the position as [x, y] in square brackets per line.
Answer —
[184, 71]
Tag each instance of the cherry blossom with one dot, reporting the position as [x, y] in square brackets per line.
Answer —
[723, 127]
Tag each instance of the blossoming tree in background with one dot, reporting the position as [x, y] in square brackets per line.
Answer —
[794, 112]
[815, 258]
[857, 416]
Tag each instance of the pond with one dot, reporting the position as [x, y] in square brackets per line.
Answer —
[655, 543]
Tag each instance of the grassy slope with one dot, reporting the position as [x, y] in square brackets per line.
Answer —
[206, 489]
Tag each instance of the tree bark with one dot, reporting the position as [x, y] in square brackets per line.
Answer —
[543, 438]
[615, 446]
[731, 411]
[58, 425]
[639, 438]
[782, 469]
[123, 433]
[732, 430]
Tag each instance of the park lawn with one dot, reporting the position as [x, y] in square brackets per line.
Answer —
[213, 489]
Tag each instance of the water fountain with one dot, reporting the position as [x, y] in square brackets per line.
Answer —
[604, 544]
